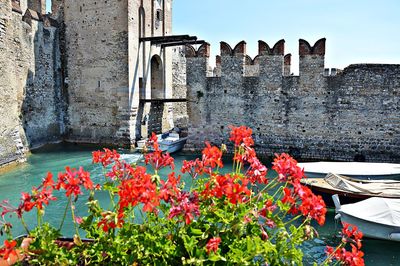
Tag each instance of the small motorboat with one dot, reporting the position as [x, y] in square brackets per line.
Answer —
[352, 169]
[375, 217]
[350, 189]
[169, 142]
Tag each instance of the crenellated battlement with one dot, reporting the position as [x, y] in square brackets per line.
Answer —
[306, 49]
[269, 62]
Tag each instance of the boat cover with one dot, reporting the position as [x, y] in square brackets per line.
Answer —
[376, 187]
[360, 169]
[375, 209]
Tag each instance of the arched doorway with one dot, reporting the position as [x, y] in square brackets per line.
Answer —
[157, 78]
[157, 92]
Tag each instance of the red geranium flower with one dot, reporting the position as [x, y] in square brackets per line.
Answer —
[212, 245]
[72, 179]
[110, 220]
[106, 157]
[241, 135]
[233, 187]
[212, 156]
[186, 205]
[138, 189]
[352, 234]
[169, 189]
[287, 168]
[8, 249]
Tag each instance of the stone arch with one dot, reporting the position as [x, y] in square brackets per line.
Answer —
[157, 78]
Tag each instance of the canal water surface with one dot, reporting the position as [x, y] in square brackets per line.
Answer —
[55, 158]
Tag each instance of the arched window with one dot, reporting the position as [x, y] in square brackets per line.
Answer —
[157, 78]
[142, 22]
[159, 13]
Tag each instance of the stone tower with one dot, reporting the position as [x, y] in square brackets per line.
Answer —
[108, 68]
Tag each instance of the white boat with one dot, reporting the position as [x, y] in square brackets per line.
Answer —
[352, 169]
[375, 217]
[169, 142]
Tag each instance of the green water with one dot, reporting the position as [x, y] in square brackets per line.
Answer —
[55, 158]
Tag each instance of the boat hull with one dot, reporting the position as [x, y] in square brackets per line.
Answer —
[371, 229]
[174, 146]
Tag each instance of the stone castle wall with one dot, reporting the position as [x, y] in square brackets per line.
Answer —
[326, 115]
[79, 73]
[30, 93]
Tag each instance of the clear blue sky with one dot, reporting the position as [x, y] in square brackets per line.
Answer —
[357, 31]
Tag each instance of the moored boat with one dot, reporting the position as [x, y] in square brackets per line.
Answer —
[351, 190]
[352, 169]
[169, 142]
[375, 217]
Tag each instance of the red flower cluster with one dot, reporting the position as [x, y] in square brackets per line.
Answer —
[311, 205]
[185, 204]
[106, 157]
[349, 258]
[8, 249]
[299, 198]
[241, 135]
[257, 172]
[212, 245]
[40, 196]
[169, 189]
[351, 234]
[287, 168]
[211, 158]
[138, 189]
[233, 187]
[193, 168]
[156, 158]
[110, 220]
[72, 180]
[269, 208]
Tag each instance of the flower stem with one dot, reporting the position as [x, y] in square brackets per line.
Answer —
[294, 219]
[24, 225]
[73, 218]
[65, 213]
